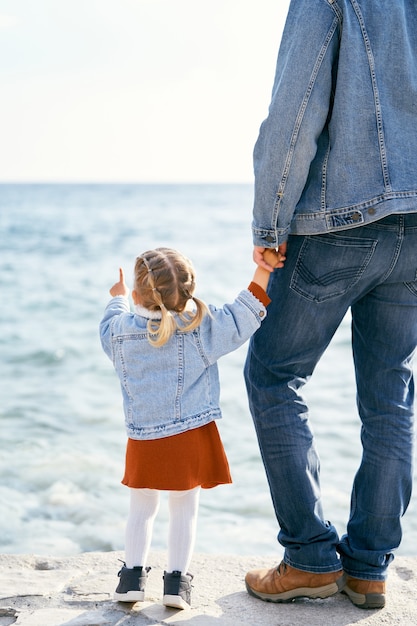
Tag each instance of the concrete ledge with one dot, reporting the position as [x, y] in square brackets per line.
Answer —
[77, 591]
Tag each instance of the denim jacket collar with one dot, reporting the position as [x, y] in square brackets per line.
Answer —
[150, 315]
[156, 315]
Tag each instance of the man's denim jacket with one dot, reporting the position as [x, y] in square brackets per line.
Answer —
[175, 387]
[339, 146]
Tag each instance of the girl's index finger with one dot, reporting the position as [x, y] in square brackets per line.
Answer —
[121, 275]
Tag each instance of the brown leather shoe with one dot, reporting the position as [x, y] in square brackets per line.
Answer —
[365, 594]
[284, 583]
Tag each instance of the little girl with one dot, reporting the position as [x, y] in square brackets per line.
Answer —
[165, 354]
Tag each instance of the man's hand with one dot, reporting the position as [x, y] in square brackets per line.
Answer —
[270, 258]
[120, 288]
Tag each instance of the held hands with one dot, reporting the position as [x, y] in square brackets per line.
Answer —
[120, 288]
[269, 258]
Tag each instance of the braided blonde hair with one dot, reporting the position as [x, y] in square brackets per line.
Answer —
[164, 281]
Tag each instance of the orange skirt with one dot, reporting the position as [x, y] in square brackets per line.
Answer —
[177, 463]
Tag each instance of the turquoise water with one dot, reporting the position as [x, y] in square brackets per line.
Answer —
[62, 436]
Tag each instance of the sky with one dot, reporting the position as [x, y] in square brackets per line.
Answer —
[134, 90]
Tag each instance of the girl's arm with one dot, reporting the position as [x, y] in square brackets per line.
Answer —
[230, 326]
[114, 307]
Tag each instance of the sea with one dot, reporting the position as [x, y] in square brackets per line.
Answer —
[62, 438]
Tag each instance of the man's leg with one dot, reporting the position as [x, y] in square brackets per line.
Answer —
[309, 300]
[384, 335]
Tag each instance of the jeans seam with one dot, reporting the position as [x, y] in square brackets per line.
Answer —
[400, 239]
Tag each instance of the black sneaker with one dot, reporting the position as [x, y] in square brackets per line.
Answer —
[177, 590]
[131, 587]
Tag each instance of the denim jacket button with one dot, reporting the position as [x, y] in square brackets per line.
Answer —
[261, 313]
[269, 238]
[356, 217]
[372, 211]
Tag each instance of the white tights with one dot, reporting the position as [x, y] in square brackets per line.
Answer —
[183, 509]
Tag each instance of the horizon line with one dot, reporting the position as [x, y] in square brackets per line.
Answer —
[123, 182]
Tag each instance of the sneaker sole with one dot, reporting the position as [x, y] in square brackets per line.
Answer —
[175, 602]
[129, 596]
[365, 601]
[301, 592]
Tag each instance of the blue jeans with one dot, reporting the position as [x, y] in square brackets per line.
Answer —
[373, 270]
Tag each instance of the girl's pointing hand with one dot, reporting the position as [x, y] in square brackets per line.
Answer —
[120, 288]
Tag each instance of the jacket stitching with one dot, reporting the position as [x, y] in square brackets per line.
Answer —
[298, 122]
[377, 101]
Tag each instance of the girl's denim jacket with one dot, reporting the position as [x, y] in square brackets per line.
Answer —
[339, 146]
[175, 387]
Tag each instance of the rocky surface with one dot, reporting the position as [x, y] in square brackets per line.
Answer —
[77, 591]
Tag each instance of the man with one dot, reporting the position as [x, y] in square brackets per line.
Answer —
[336, 192]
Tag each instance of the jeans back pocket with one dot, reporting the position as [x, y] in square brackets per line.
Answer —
[329, 265]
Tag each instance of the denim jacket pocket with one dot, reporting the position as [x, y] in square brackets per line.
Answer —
[329, 265]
